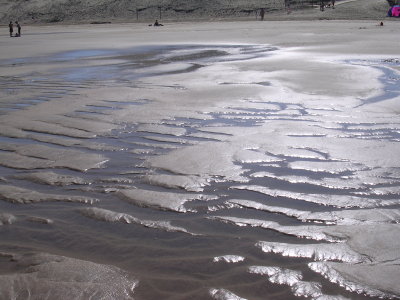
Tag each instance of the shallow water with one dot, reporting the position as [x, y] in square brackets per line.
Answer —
[246, 199]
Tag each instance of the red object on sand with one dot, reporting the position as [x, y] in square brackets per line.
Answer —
[396, 11]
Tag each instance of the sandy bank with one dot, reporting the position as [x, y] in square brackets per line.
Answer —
[45, 11]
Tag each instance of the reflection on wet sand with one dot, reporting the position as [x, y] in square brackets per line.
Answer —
[165, 171]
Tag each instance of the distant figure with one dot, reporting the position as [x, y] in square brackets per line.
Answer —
[381, 24]
[18, 28]
[262, 14]
[322, 5]
[333, 3]
[157, 24]
[11, 27]
[287, 6]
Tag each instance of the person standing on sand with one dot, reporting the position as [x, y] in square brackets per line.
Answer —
[262, 14]
[287, 6]
[11, 28]
[18, 28]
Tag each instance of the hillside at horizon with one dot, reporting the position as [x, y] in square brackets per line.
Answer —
[86, 11]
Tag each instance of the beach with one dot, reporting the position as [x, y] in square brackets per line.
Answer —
[200, 160]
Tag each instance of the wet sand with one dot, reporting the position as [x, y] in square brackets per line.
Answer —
[234, 160]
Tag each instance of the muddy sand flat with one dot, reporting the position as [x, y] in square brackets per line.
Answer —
[232, 160]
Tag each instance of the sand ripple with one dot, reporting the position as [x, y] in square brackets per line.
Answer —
[194, 151]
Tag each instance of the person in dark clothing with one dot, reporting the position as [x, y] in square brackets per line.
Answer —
[321, 5]
[11, 27]
[262, 14]
[156, 23]
[18, 28]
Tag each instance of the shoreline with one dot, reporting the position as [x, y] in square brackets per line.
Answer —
[324, 33]
[150, 21]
